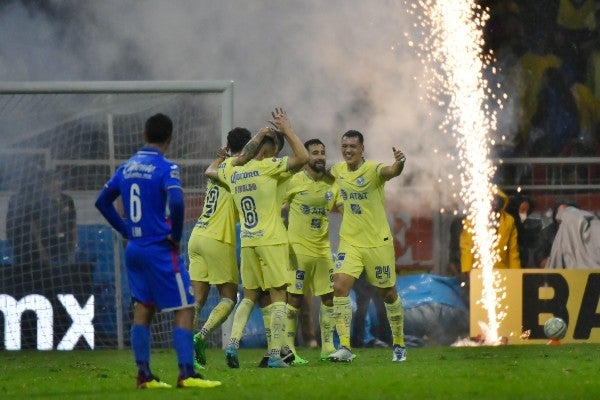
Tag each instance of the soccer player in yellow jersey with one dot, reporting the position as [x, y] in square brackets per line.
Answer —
[365, 241]
[310, 196]
[264, 254]
[211, 247]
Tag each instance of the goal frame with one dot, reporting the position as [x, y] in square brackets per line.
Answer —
[222, 87]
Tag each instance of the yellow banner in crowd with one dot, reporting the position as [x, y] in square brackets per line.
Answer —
[529, 297]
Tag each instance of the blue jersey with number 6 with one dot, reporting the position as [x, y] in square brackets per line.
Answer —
[144, 182]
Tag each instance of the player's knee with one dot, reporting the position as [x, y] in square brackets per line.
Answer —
[342, 284]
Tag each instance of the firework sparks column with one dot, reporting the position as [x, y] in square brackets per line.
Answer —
[452, 55]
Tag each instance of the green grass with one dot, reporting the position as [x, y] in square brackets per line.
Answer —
[505, 372]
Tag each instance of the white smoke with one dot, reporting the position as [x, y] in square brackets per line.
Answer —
[334, 65]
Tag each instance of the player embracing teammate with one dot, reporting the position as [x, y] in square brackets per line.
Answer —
[269, 264]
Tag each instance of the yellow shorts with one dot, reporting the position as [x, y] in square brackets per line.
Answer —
[265, 267]
[310, 272]
[379, 263]
[212, 261]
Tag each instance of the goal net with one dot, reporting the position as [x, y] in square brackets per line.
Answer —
[63, 282]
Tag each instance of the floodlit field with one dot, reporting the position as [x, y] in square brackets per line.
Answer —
[506, 372]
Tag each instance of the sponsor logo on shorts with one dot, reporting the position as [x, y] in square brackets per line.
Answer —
[299, 285]
[300, 275]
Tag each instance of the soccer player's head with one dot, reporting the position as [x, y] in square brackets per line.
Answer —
[237, 139]
[352, 147]
[316, 155]
[158, 129]
[270, 146]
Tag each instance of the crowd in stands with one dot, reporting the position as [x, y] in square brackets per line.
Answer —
[548, 53]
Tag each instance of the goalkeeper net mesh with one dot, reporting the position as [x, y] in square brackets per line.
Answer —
[63, 282]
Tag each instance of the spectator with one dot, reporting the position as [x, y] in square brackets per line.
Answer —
[58, 222]
[575, 28]
[41, 222]
[555, 123]
[507, 246]
[22, 223]
[541, 253]
[593, 61]
[533, 63]
[528, 224]
[588, 107]
[577, 241]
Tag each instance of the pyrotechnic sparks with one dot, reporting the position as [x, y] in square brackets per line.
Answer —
[451, 52]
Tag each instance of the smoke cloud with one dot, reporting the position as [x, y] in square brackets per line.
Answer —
[333, 65]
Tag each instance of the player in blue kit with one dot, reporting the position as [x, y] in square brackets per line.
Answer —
[158, 280]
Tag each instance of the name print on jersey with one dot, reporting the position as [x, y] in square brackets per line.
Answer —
[135, 169]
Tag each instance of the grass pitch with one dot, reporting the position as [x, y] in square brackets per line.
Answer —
[504, 372]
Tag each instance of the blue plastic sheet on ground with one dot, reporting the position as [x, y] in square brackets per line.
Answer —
[419, 289]
[434, 312]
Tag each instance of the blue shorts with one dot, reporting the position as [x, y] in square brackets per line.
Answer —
[158, 277]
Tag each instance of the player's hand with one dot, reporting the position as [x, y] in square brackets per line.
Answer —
[176, 245]
[280, 120]
[223, 153]
[398, 155]
[267, 131]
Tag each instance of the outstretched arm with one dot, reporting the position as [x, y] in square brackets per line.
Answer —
[282, 124]
[391, 171]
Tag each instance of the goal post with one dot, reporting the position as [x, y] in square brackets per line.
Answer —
[62, 279]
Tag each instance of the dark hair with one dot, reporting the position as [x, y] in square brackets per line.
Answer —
[237, 139]
[560, 202]
[353, 133]
[271, 140]
[281, 141]
[158, 129]
[515, 202]
[311, 142]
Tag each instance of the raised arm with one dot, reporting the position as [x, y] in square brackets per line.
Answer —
[213, 169]
[391, 171]
[251, 148]
[282, 124]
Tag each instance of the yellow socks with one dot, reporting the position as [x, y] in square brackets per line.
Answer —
[342, 311]
[395, 314]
